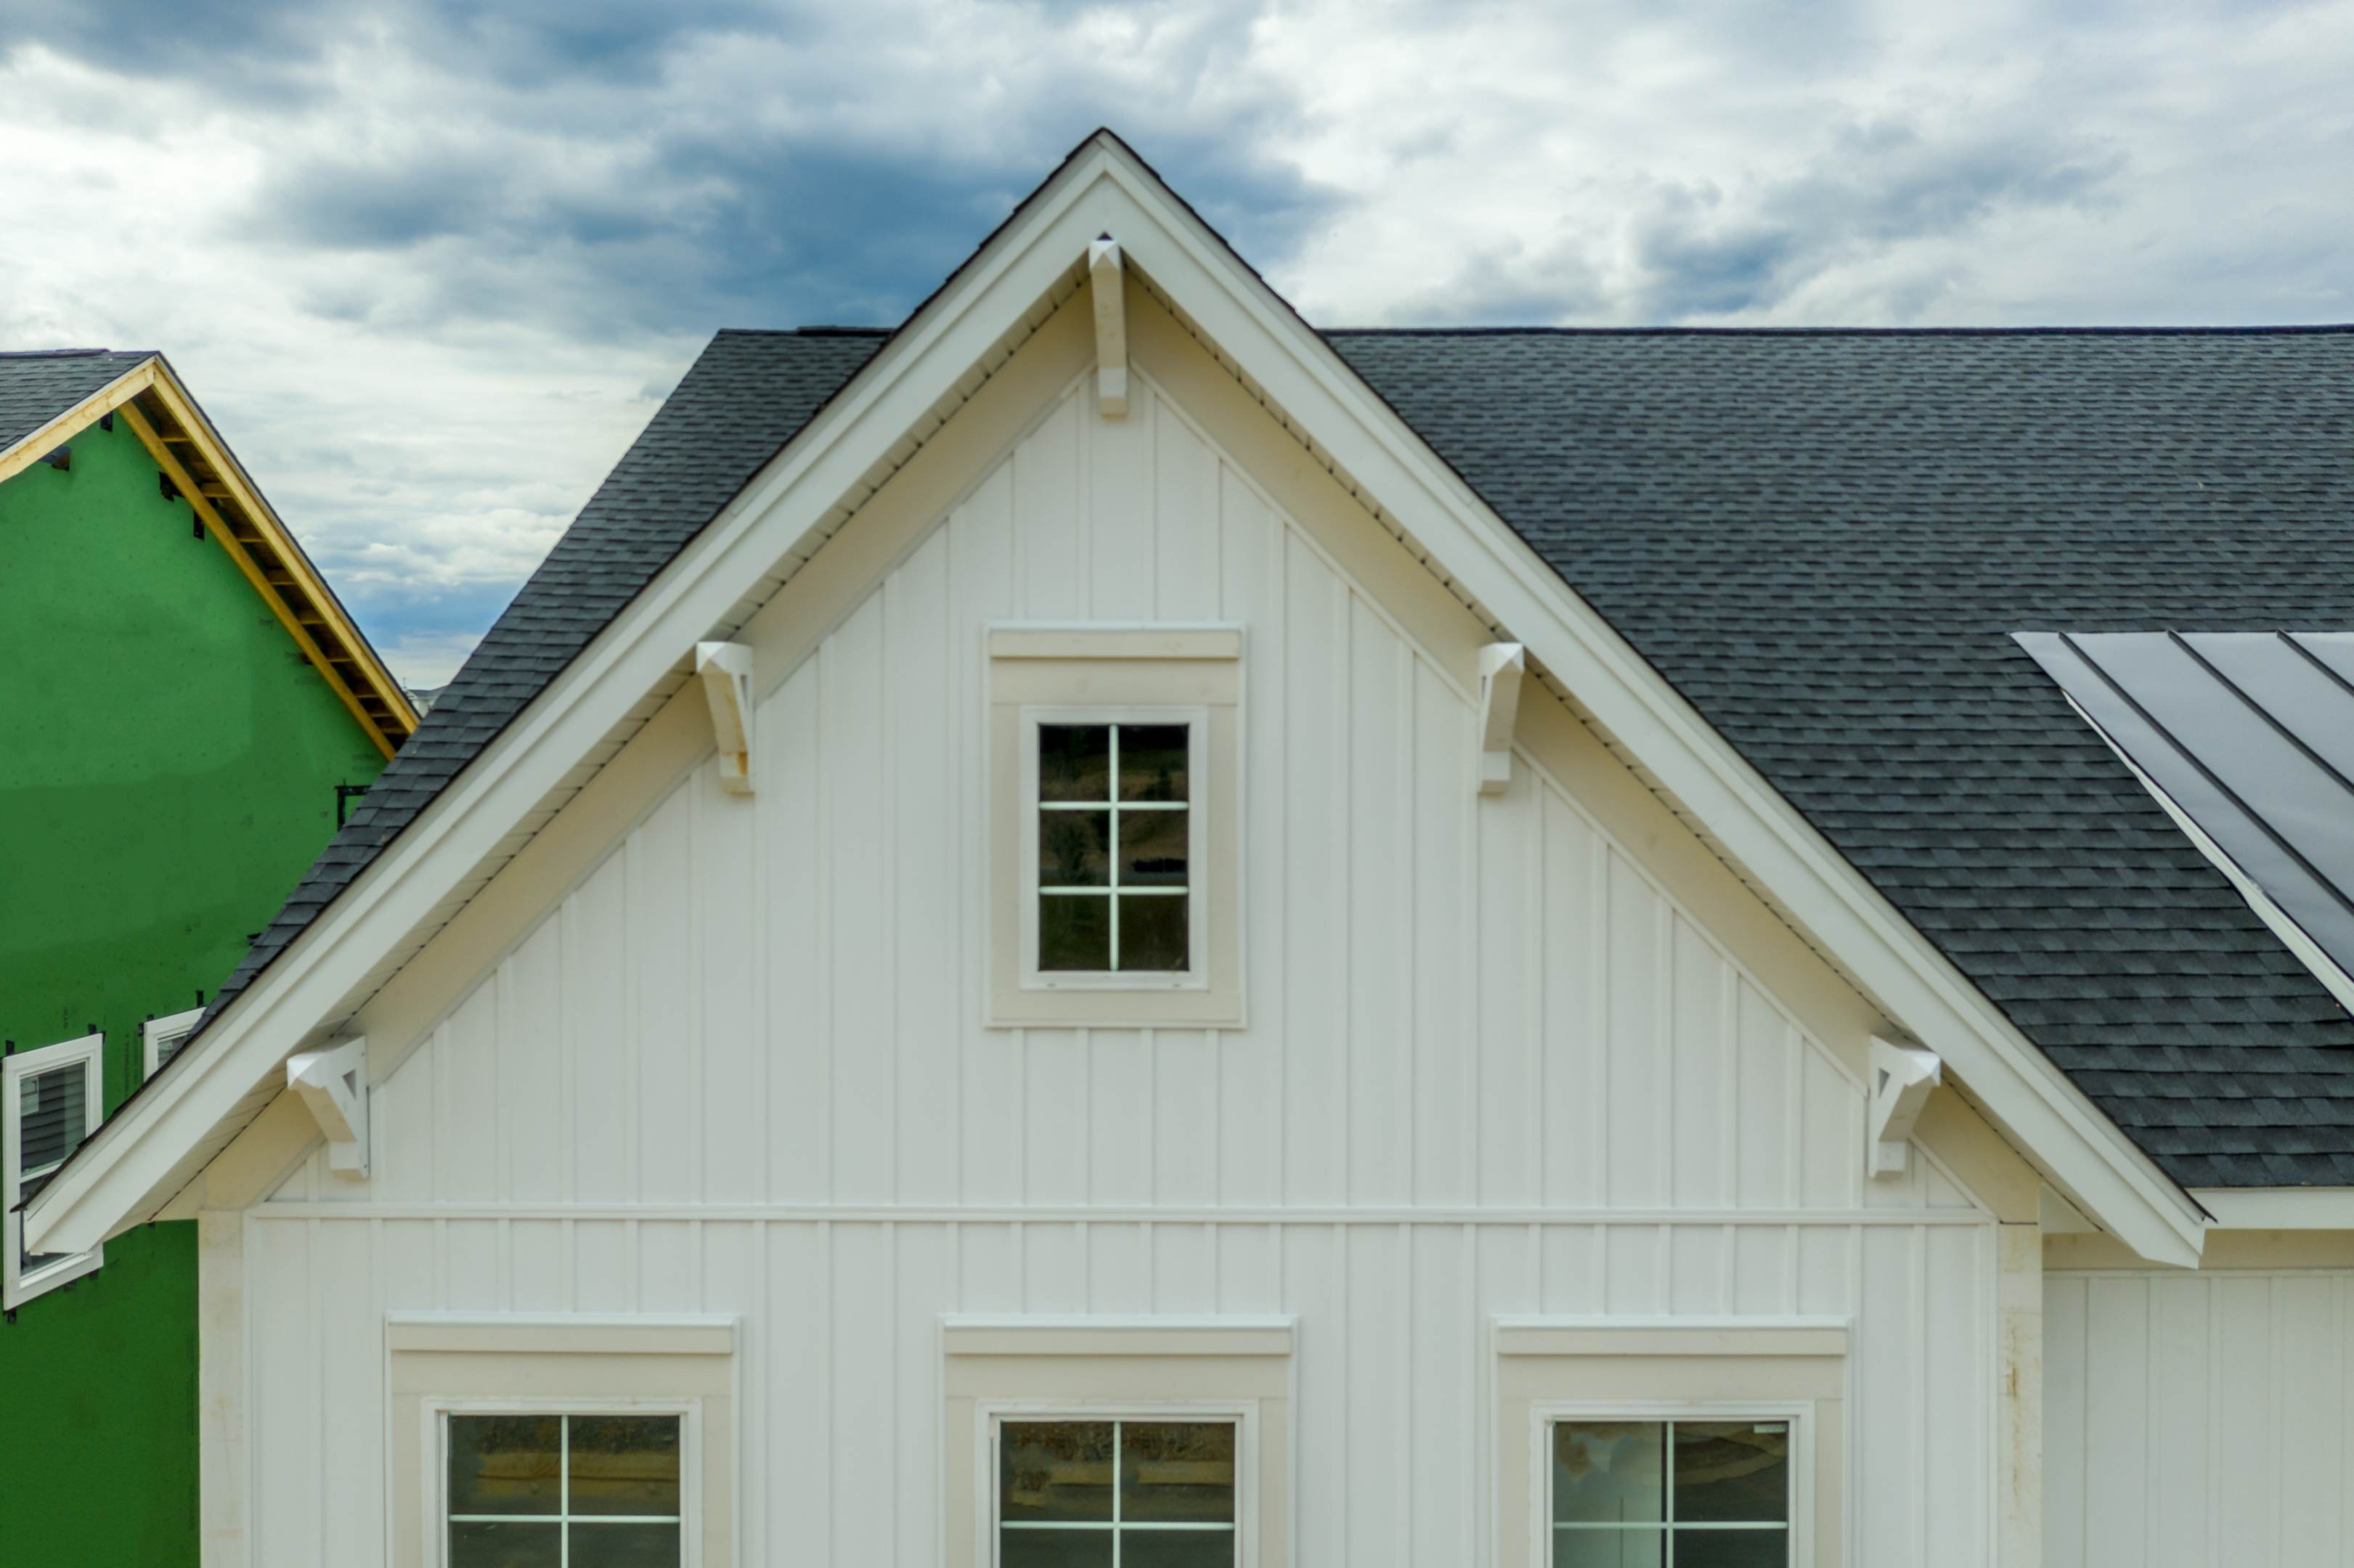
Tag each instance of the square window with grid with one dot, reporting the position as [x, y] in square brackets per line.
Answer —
[1115, 848]
[1116, 1494]
[1670, 1494]
[564, 1491]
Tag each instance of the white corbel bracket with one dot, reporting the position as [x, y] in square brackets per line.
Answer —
[1902, 1079]
[1104, 270]
[1502, 665]
[332, 1081]
[727, 671]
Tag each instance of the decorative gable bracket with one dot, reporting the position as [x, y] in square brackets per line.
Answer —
[1106, 272]
[332, 1081]
[1902, 1079]
[1502, 665]
[727, 671]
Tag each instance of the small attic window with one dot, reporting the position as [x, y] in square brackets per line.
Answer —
[160, 1039]
[51, 1100]
[1115, 826]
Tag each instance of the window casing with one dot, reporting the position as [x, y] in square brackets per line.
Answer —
[1047, 1416]
[53, 1100]
[1115, 826]
[611, 1439]
[1587, 1415]
[160, 1039]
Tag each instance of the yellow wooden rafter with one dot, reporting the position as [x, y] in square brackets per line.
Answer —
[221, 505]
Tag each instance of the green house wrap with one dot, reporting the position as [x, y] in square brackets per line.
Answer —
[180, 697]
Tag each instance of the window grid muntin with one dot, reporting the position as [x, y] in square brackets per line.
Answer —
[1115, 1524]
[1113, 889]
[562, 1519]
[1666, 1526]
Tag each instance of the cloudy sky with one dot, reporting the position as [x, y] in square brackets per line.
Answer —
[431, 264]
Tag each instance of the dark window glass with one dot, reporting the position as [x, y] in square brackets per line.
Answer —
[1145, 1494]
[1074, 849]
[1642, 1494]
[1141, 840]
[506, 1463]
[1055, 1470]
[1732, 1470]
[593, 1491]
[1075, 762]
[1152, 933]
[623, 1464]
[1074, 932]
[1153, 762]
[1152, 848]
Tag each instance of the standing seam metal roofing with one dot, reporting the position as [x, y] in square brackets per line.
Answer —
[1824, 540]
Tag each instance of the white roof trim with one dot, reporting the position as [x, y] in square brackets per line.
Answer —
[2278, 1208]
[1103, 190]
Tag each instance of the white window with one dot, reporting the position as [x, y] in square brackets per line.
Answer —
[54, 1101]
[1133, 1492]
[1118, 1443]
[160, 1039]
[567, 1440]
[1667, 1442]
[1116, 841]
[546, 1487]
[1628, 1492]
[1109, 848]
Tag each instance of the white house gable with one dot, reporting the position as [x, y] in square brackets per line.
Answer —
[1528, 1054]
[1454, 1001]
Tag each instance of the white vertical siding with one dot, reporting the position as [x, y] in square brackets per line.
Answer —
[739, 1069]
[2198, 1419]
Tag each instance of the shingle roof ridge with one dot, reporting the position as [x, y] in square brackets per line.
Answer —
[2324, 329]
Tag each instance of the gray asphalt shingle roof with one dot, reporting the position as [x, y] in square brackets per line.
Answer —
[1824, 540]
[38, 384]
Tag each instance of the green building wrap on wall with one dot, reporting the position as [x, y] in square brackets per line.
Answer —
[168, 758]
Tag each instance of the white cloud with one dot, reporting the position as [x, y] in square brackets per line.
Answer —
[430, 266]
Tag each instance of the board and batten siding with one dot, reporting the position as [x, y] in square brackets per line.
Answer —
[1491, 1066]
[2198, 1420]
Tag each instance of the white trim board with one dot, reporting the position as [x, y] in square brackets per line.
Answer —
[2278, 1208]
[784, 513]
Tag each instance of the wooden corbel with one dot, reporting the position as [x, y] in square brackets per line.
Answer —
[1105, 271]
[332, 1081]
[1502, 665]
[727, 671]
[1902, 1079]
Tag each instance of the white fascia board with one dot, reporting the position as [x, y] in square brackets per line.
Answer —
[134, 1165]
[311, 988]
[1900, 968]
[2278, 1208]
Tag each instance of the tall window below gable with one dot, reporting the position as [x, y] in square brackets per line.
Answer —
[1115, 804]
[52, 1100]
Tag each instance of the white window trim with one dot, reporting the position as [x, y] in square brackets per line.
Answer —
[1104, 1368]
[439, 1363]
[16, 1287]
[1176, 673]
[990, 1415]
[1200, 876]
[1798, 1414]
[1794, 1369]
[156, 1032]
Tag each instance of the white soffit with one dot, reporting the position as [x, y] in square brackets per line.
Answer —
[1283, 362]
